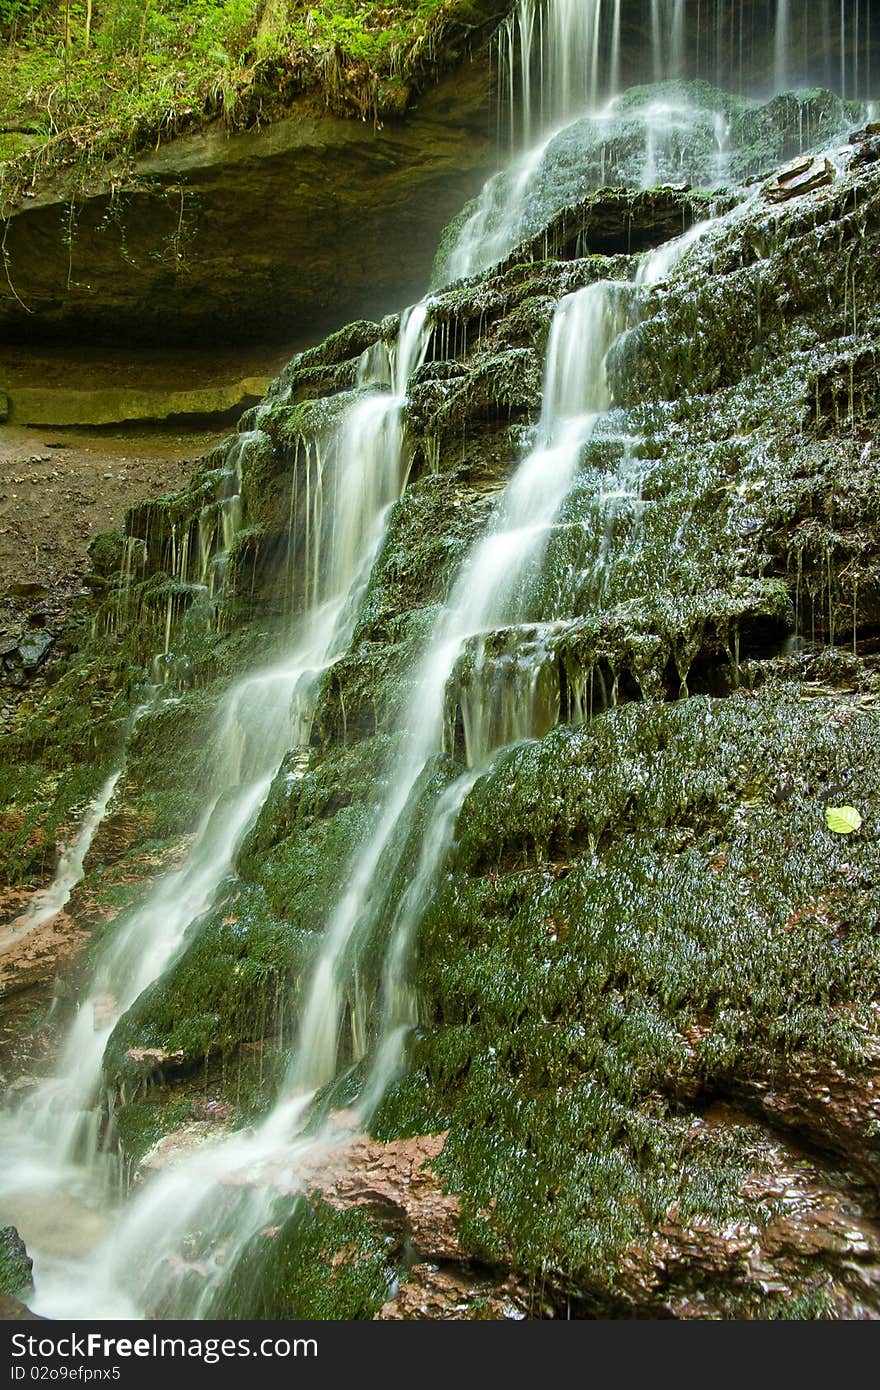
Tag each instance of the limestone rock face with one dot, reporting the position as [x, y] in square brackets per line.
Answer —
[644, 1080]
[281, 232]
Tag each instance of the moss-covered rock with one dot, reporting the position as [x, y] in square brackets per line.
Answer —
[156, 214]
[317, 1263]
[644, 914]
[15, 1264]
[640, 915]
[232, 984]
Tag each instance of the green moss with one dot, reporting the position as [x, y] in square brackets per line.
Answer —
[63, 741]
[366, 692]
[169, 764]
[317, 1264]
[301, 875]
[232, 984]
[15, 1266]
[310, 789]
[640, 912]
[107, 552]
[237, 60]
[140, 1126]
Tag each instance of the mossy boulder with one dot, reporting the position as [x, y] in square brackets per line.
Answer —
[15, 1264]
[638, 916]
[316, 1263]
[232, 984]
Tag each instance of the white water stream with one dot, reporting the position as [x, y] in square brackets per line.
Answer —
[559, 57]
[46, 903]
[491, 590]
[262, 716]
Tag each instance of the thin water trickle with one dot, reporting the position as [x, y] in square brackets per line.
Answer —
[560, 57]
[782, 45]
[46, 903]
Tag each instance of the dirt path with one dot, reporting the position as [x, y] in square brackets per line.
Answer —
[58, 490]
[61, 488]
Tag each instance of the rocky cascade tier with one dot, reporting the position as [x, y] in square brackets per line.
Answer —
[647, 982]
[603, 1039]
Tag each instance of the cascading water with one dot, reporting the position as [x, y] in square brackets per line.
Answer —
[571, 56]
[782, 44]
[559, 57]
[494, 589]
[48, 902]
[260, 719]
[488, 593]
[572, 128]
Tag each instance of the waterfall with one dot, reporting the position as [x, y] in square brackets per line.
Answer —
[259, 719]
[678, 39]
[558, 57]
[615, 48]
[782, 45]
[515, 45]
[496, 219]
[656, 41]
[569, 49]
[46, 903]
[493, 589]
[251, 737]
[489, 592]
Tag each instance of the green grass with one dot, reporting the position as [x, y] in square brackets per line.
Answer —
[75, 90]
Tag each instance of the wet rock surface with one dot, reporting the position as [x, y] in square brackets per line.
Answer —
[57, 492]
[15, 1264]
[813, 1252]
[11, 1310]
[395, 1184]
[647, 980]
[802, 177]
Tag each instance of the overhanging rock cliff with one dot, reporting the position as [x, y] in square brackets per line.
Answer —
[277, 231]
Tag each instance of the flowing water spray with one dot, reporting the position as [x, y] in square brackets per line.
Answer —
[348, 478]
[555, 59]
[559, 57]
[46, 903]
[782, 45]
[262, 716]
[493, 589]
[489, 592]
[561, 103]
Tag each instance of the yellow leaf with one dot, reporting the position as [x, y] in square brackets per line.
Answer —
[843, 820]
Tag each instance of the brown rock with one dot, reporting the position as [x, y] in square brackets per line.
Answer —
[804, 176]
[822, 1105]
[445, 1294]
[809, 1238]
[396, 1184]
[35, 957]
[11, 1310]
[153, 1056]
[363, 207]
